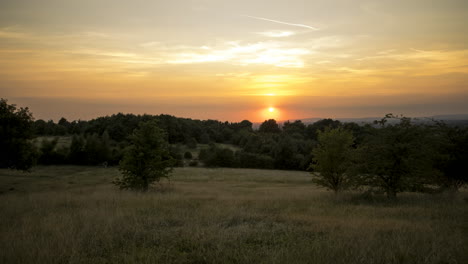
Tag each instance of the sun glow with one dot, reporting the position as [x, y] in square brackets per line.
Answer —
[269, 113]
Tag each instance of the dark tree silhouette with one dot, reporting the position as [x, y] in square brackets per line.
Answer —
[269, 126]
[16, 149]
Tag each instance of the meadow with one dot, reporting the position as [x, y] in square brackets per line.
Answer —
[73, 214]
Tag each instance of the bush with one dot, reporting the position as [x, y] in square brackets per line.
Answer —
[254, 161]
[217, 157]
[188, 155]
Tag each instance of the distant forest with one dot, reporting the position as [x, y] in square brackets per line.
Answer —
[273, 146]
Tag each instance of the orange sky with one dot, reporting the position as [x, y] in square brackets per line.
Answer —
[233, 60]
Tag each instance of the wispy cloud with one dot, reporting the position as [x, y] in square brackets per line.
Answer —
[12, 33]
[269, 53]
[282, 22]
[277, 34]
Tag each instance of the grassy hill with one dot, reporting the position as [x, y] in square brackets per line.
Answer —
[70, 214]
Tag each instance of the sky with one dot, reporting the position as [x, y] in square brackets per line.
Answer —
[235, 60]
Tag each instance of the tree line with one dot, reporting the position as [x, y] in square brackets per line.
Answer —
[102, 140]
[387, 156]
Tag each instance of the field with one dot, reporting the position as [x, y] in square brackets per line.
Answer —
[71, 214]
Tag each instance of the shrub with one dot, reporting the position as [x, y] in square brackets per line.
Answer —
[188, 155]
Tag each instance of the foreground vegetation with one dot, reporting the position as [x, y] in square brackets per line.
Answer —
[73, 214]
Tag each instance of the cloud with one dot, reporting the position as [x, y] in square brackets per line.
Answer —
[12, 33]
[269, 53]
[277, 34]
[282, 22]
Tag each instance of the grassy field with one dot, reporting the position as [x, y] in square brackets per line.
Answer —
[72, 214]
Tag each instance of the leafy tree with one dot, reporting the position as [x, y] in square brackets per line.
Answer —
[452, 158]
[97, 149]
[296, 128]
[269, 126]
[16, 149]
[146, 160]
[50, 153]
[285, 154]
[245, 125]
[77, 154]
[332, 158]
[63, 126]
[396, 157]
[313, 129]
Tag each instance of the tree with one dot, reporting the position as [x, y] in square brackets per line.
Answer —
[452, 158]
[312, 129]
[395, 157]
[245, 125]
[16, 149]
[332, 158]
[285, 154]
[269, 126]
[50, 153]
[296, 128]
[77, 154]
[146, 160]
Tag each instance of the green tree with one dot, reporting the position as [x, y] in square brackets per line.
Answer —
[285, 154]
[146, 160]
[50, 153]
[313, 129]
[16, 149]
[332, 159]
[77, 154]
[296, 129]
[396, 157]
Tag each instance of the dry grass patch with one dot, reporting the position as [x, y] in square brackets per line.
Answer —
[218, 216]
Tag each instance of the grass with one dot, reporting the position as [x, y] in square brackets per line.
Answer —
[72, 214]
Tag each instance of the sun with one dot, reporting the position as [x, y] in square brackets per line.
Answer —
[270, 112]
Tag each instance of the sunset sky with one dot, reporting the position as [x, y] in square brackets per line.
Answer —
[234, 60]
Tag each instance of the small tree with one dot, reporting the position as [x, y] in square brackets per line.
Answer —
[331, 159]
[146, 160]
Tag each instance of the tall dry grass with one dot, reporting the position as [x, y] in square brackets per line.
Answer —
[74, 215]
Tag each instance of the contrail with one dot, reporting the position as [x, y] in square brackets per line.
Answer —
[281, 22]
